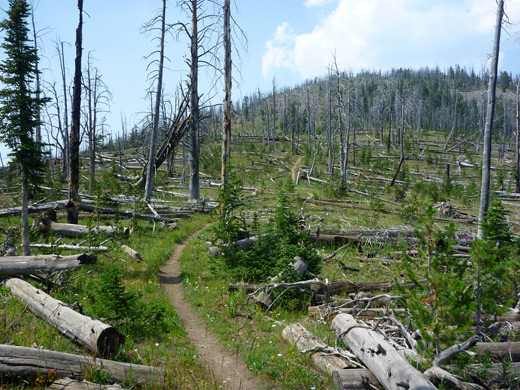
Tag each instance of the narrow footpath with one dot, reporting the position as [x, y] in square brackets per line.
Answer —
[229, 369]
[295, 167]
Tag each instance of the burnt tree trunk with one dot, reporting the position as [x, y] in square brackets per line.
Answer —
[72, 212]
[194, 101]
[153, 143]
[226, 128]
[490, 115]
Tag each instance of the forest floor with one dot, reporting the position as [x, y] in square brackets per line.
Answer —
[229, 370]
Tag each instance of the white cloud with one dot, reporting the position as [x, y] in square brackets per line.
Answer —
[279, 53]
[381, 34]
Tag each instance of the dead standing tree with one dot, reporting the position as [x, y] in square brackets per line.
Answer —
[517, 153]
[490, 114]
[226, 128]
[97, 95]
[72, 212]
[150, 26]
[202, 52]
[65, 129]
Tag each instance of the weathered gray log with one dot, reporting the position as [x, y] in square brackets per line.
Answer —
[388, 366]
[71, 384]
[84, 207]
[299, 265]
[72, 247]
[504, 350]
[132, 252]
[352, 287]
[25, 265]
[305, 342]
[358, 312]
[354, 379]
[12, 211]
[29, 362]
[72, 230]
[99, 338]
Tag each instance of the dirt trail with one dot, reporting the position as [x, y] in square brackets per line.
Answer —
[295, 167]
[229, 369]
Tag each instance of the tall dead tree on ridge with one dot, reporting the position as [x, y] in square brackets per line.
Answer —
[517, 175]
[226, 128]
[161, 19]
[72, 212]
[490, 115]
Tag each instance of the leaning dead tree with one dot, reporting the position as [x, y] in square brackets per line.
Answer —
[179, 126]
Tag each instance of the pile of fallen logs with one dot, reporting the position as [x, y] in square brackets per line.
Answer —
[377, 355]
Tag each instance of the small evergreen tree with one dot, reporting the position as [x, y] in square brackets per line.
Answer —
[20, 104]
[441, 304]
[493, 258]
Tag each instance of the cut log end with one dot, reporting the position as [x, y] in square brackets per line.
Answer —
[87, 258]
[109, 341]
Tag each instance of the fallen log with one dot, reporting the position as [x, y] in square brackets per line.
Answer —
[72, 247]
[25, 265]
[30, 362]
[72, 230]
[322, 355]
[337, 287]
[355, 378]
[352, 287]
[97, 337]
[324, 310]
[502, 350]
[132, 252]
[391, 369]
[12, 211]
[71, 384]
[9, 212]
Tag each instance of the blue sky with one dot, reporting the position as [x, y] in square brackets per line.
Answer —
[289, 40]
